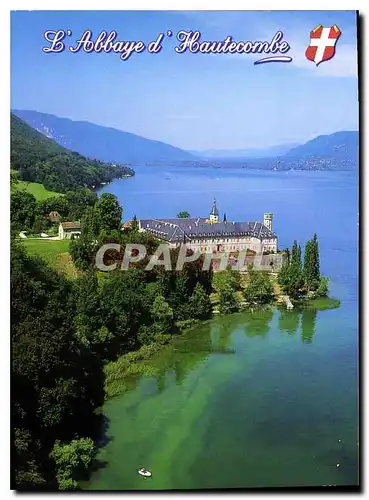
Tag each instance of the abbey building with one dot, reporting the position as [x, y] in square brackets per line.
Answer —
[210, 235]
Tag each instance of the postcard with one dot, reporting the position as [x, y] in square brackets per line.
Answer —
[184, 250]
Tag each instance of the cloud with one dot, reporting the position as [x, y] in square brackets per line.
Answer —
[343, 64]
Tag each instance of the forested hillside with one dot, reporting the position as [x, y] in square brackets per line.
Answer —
[40, 159]
[67, 332]
[104, 143]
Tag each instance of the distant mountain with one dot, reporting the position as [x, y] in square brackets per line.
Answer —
[37, 158]
[104, 143]
[245, 153]
[339, 145]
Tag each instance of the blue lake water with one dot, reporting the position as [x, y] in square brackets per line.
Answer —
[252, 399]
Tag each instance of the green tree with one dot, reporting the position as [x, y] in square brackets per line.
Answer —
[81, 251]
[227, 300]
[22, 210]
[78, 201]
[53, 204]
[183, 215]
[134, 225]
[107, 213]
[316, 260]
[40, 225]
[162, 312]
[323, 288]
[259, 288]
[200, 303]
[294, 281]
[291, 276]
[72, 461]
[227, 278]
[56, 382]
[296, 255]
[14, 179]
[312, 264]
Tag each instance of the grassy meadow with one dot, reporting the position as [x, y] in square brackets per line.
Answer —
[54, 252]
[38, 190]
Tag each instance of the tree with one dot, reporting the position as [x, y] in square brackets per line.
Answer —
[107, 213]
[227, 300]
[78, 201]
[291, 277]
[53, 204]
[162, 312]
[56, 382]
[200, 303]
[316, 260]
[40, 224]
[259, 288]
[90, 225]
[81, 251]
[183, 215]
[312, 264]
[283, 276]
[72, 461]
[228, 278]
[294, 280]
[134, 225]
[22, 210]
[296, 254]
[323, 287]
[14, 179]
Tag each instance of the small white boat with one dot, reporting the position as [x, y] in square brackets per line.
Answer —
[144, 472]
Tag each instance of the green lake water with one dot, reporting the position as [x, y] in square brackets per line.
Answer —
[247, 400]
[257, 399]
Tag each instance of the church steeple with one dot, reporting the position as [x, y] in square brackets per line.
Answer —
[214, 214]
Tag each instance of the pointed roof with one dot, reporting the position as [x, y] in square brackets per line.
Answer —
[214, 210]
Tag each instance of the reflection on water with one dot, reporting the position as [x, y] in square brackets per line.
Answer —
[215, 337]
[289, 320]
[308, 324]
[244, 384]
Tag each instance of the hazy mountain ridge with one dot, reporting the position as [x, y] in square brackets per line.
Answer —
[337, 151]
[339, 145]
[272, 151]
[104, 143]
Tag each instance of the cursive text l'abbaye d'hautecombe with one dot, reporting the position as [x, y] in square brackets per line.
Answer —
[189, 41]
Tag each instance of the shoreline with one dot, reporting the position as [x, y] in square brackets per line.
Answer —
[132, 363]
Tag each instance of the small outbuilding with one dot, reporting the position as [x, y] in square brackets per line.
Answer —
[69, 230]
[54, 216]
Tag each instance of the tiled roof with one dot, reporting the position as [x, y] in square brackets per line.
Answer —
[196, 228]
[71, 225]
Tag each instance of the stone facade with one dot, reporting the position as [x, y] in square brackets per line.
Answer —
[209, 235]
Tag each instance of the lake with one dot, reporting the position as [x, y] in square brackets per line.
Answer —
[265, 398]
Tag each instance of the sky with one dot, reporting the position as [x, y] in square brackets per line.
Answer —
[191, 100]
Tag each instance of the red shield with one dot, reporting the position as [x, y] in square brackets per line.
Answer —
[322, 43]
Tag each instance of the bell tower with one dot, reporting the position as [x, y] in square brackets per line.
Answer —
[214, 214]
[268, 220]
